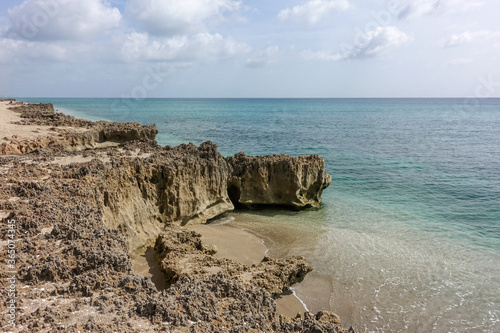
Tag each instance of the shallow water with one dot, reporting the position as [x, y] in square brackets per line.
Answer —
[408, 238]
[380, 280]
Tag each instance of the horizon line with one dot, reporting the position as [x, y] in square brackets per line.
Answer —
[146, 98]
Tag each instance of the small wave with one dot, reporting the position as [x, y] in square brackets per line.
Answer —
[222, 220]
[267, 249]
[301, 301]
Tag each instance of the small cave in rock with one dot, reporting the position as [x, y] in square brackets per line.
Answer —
[234, 194]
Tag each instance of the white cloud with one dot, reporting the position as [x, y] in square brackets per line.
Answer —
[322, 55]
[133, 48]
[312, 12]
[62, 19]
[263, 57]
[460, 61]
[370, 45]
[175, 17]
[4, 26]
[49, 46]
[15, 50]
[202, 47]
[468, 37]
[415, 9]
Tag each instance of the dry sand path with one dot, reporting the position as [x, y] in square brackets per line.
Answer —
[9, 129]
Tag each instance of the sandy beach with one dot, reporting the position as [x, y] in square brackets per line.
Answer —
[115, 232]
[231, 243]
[240, 245]
[9, 129]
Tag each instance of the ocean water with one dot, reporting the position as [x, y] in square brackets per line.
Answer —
[408, 237]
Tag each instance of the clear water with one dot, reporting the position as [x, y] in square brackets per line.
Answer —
[408, 239]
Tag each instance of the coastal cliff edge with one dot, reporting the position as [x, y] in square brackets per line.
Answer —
[84, 196]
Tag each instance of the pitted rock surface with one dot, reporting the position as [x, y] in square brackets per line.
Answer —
[77, 224]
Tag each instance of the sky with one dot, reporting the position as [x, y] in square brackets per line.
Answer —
[256, 49]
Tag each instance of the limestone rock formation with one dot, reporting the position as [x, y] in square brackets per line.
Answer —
[277, 180]
[183, 254]
[78, 222]
[184, 184]
[69, 135]
[74, 269]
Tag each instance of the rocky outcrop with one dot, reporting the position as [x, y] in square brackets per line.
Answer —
[184, 184]
[182, 254]
[68, 140]
[42, 112]
[72, 134]
[74, 269]
[44, 115]
[277, 180]
[77, 224]
[180, 185]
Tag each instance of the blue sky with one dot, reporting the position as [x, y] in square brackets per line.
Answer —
[231, 48]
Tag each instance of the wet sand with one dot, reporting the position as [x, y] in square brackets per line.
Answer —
[145, 264]
[240, 245]
[287, 234]
[231, 243]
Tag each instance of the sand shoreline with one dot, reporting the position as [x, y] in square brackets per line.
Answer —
[240, 245]
[8, 129]
[11, 125]
[241, 257]
[232, 243]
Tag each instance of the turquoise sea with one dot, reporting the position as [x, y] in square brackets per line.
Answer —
[408, 238]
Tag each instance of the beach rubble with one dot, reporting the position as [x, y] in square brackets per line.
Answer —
[89, 196]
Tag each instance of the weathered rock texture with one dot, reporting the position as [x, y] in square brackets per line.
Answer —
[76, 225]
[182, 254]
[278, 180]
[200, 173]
[184, 184]
[100, 134]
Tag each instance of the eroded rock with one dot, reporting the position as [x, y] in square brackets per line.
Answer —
[183, 254]
[277, 180]
[180, 185]
[76, 225]
[72, 134]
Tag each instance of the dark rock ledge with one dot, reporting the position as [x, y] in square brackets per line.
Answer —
[77, 223]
